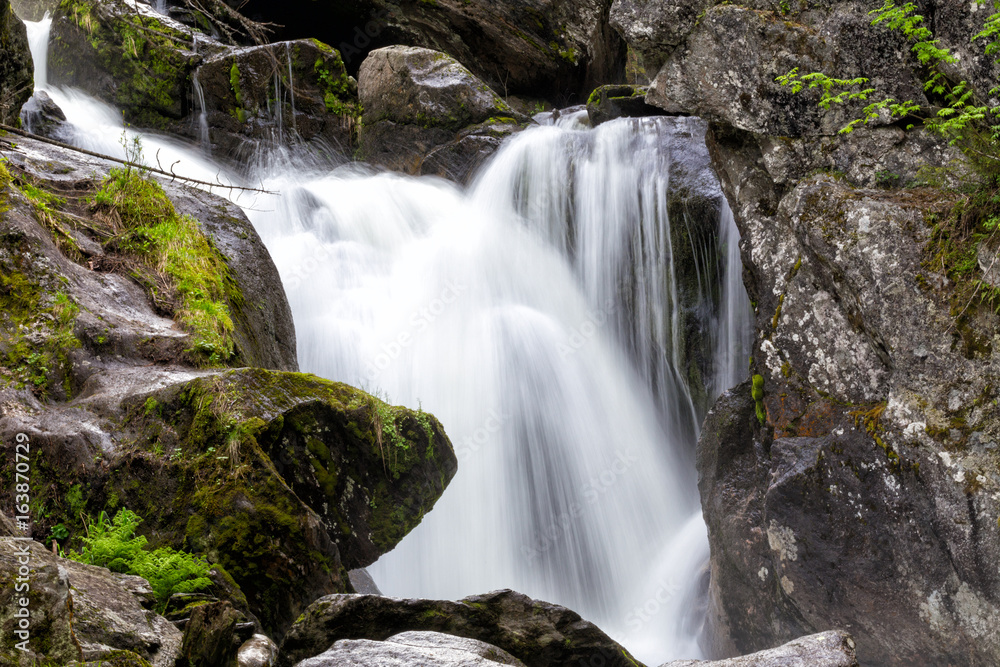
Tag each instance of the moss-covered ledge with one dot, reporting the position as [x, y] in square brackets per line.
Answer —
[286, 480]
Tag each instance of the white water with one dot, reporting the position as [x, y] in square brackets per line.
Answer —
[534, 314]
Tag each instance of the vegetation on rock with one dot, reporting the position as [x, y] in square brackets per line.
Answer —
[189, 276]
[113, 544]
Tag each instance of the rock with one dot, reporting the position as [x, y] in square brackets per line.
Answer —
[538, 48]
[79, 612]
[362, 582]
[259, 95]
[16, 69]
[283, 481]
[209, 637]
[426, 113]
[41, 115]
[164, 75]
[654, 28]
[127, 55]
[535, 632]
[258, 651]
[431, 649]
[34, 10]
[829, 649]
[116, 319]
[863, 499]
[610, 102]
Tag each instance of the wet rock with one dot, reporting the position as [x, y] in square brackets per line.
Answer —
[538, 48]
[210, 636]
[80, 612]
[41, 115]
[426, 113]
[362, 582]
[829, 649]
[258, 651]
[431, 649]
[34, 10]
[171, 77]
[16, 68]
[283, 481]
[261, 95]
[862, 499]
[610, 102]
[535, 632]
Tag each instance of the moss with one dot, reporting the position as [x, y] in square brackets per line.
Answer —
[120, 659]
[757, 392]
[171, 245]
[149, 69]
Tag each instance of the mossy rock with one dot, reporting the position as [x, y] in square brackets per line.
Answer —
[285, 480]
[138, 62]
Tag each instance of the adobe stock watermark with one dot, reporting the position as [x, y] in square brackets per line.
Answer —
[479, 438]
[22, 545]
[586, 331]
[591, 492]
[363, 35]
[419, 322]
[642, 615]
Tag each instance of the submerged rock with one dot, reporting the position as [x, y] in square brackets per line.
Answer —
[610, 102]
[537, 633]
[425, 113]
[16, 68]
[829, 649]
[41, 115]
[430, 649]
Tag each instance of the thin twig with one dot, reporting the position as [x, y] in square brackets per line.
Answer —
[128, 163]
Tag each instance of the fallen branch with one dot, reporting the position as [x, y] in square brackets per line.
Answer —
[171, 174]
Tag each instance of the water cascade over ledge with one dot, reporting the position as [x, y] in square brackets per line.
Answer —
[568, 318]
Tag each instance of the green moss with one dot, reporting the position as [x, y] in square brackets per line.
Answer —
[149, 69]
[174, 246]
[757, 391]
[121, 659]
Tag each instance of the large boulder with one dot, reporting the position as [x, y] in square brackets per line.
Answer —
[430, 649]
[284, 481]
[168, 76]
[289, 90]
[828, 649]
[16, 68]
[78, 612]
[535, 632]
[853, 484]
[554, 49]
[426, 113]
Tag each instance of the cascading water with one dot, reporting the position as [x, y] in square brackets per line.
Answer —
[538, 315]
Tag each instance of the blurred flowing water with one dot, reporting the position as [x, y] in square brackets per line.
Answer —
[541, 316]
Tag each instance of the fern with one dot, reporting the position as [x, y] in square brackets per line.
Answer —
[114, 545]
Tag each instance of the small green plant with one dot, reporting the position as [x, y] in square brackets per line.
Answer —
[184, 263]
[114, 545]
[758, 396]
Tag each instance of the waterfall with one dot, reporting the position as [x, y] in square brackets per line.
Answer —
[38, 43]
[541, 315]
[204, 137]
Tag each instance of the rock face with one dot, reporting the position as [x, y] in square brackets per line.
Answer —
[283, 481]
[864, 498]
[431, 649]
[168, 76]
[829, 649]
[79, 612]
[610, 102]
[16, 68]
[261, 94]
[537, 633]
[425, 113]
[533, 47]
